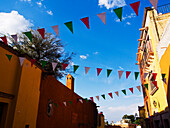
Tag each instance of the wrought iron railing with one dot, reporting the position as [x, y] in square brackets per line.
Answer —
[163, 8]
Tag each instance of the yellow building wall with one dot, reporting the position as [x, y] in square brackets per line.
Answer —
[28, 96]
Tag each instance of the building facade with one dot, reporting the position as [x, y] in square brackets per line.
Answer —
[151, 69]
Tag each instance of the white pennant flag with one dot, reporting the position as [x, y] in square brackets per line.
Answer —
[21, 59]
[145, 74]
[65, 103]
[54, 65]
[81, 100]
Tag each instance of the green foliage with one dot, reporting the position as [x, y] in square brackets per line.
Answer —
[131, 117]
[50, 49]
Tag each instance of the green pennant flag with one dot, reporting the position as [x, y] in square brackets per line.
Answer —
[29, 35]
[9, 56]
[75, 67]
[146, 85]
[103, 96]
[108, 72]
[136, 75]
[118, 12]
[124, 91]
[43, 63]
[70, 102]
[86, 100]
[55, 104]
[163, 76]
[69, 25]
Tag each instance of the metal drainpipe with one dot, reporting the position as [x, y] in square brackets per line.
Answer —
[155, 25]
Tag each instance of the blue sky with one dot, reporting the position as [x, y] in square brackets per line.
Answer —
[111, 46]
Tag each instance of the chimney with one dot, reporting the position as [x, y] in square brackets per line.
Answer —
[70, 82]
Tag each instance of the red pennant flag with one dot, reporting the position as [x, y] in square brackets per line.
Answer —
[42, 32]
[85, 21]
[33, 61]
[92, 99]
[120, 74]
[117, 93]
[131, 89]
[110, 94]
[64, 66]
[127, 74]
[87, 69]
[98, 71]
[4, 40]
[154, 76]
[154, 3]
[138, 87]
[61, 104]
[155, 83]
[135, 7]
[102, 16]
[97, 98]
[75, 101]
[56, 29]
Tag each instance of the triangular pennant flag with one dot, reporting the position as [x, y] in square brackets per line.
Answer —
[145, 74]
[70, 102]
[54, 65]
[117, 93]
[163, 76]
[86, 21]
[154, 76]
[102, 16]
[75, 101]
[14, 37]
[103, 96]
[131, 89]
[29, 35]
[60, 104]
[64, 66]
[81, 101]
[98, 71]
[42, 32]
[155, 83]
[118, 12]
[91, 99]
[4, 39]
[165, 80]
[97, 98]
[110, 94]
[127, 74]
[75, 67]
[87, 69]
[33, 61]
[154, 3]
[21, 59]
[56, 29]
[124, 91]
[146, 85]
[43, 63]
[69, 25]
[136, 75]
[86, 100]
[135, 7]
[65, 103]
[120, 74]
[108, 72]
[9, 56]
[55, 104]
[138, 87]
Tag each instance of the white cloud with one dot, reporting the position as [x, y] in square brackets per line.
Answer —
[120, 67]
[128, 23]
[95, 53]
[26, 0]
[111, 3]
[50, 12]
[13, 23]
[39, 3]
[132, 15]
[83, 57]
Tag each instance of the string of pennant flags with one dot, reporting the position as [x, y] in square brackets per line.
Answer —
[85, 20]
[75, 68]
[85, 100]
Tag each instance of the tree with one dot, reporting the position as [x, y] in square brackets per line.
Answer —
[50, 49]
[131, 117]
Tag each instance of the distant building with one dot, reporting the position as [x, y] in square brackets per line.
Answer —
[153, 59]
[124, 123]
